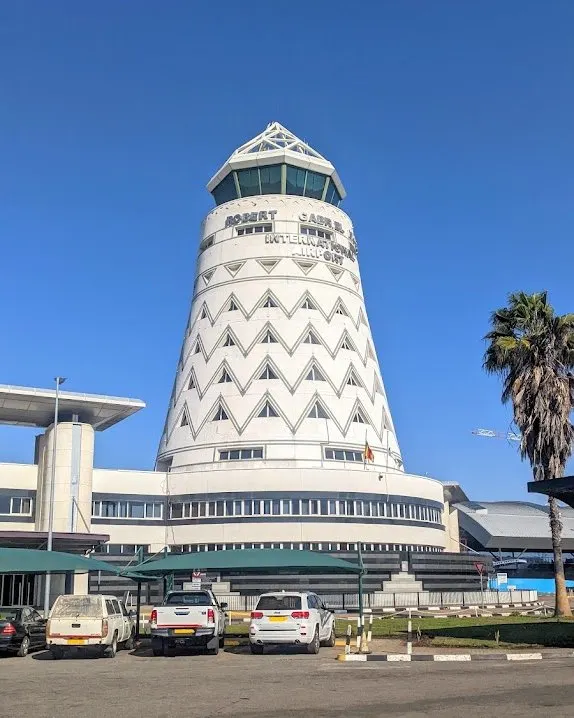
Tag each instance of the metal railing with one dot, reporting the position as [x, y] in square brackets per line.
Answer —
[423, 599]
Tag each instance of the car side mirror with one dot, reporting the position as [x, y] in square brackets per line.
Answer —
[224, 605]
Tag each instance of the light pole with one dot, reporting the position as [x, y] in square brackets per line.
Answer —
[59, 380]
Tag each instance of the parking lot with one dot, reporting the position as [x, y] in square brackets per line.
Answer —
[281, 683]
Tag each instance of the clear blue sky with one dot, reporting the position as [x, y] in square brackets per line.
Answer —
[451, 124]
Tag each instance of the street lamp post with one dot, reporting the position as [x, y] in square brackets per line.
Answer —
[51, 485]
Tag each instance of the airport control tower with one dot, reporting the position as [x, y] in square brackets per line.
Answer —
[278, 388]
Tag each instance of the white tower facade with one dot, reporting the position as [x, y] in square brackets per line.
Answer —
[278, 389]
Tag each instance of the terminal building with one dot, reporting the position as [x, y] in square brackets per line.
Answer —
[278, 432]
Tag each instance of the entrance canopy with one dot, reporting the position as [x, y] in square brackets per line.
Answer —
[23, 560]
[249, 560]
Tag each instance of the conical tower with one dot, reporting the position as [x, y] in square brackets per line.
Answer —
[278, 388]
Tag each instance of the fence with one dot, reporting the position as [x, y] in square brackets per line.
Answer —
[424, 599]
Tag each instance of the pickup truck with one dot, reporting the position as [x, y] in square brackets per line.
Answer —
[95, 623]
[189, 619]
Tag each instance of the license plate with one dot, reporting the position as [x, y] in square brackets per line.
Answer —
[184, 631]
[76, 642]
[277, 619]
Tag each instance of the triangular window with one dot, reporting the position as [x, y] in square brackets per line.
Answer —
[203, 314]
[269, 303]
[269, 339]
[268, 264]
[197, 347]
[267, 412]
[228, 341]
[336, 272]
[311, 338]
[207, 275]
[308, 304]
[220, 415]
[352, 380]
[315, 375]
[317, 412]
[342, 311]
[191, 384]
[358, 418]
[184, 420]
[268, 373]
[346, 344]
[225, 378]
[232, 306]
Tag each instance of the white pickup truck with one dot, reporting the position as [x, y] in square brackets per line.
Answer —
[190, 619]
[89, 623]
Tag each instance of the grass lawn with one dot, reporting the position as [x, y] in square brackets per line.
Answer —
[497, 631]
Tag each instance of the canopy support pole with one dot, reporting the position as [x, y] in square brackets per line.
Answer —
[138, 609]
[361, 634]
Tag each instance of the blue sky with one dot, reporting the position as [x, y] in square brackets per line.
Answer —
[451, 124]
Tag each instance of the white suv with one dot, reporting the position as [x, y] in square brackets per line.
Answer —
[291, 619]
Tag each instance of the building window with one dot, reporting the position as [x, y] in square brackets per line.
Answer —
[317, 412]
[316, 232]
[268, 373]
[241, 454]
[225, 378]
[311, 339]
[225, 190]
[254, 229]
[232, 306]
[343, 455]
[308, 304]
[220, 415]
[269, 303]
[15, 505]
[269, 339]
[332, 196]
[268, 412]
[207, 242]
[315, 375]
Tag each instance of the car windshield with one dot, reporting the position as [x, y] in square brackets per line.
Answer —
[73, 606]
[188, 599]
[279, 603]
[9, 614]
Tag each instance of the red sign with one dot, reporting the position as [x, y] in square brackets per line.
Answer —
[479, 567]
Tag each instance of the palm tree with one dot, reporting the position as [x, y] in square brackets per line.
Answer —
[532, 349]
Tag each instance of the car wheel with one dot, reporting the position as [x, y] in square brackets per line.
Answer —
[157, 646]
[315, 644]
[213, 651]
[56, 652]
[129, 645]
[111, 650]
[256, 649]
[168, 649]
[330, 642]
[24, 647]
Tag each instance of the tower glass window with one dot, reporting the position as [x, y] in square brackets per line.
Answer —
[249, 182]
[296, 180]
[314, 185]
[225, 190]
[270, 178]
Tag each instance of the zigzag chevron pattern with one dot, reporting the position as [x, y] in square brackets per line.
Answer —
[220, 408]
[339, 308]
[228, 338]
[350, 379]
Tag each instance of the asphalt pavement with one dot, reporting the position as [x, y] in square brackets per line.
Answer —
[235, 683]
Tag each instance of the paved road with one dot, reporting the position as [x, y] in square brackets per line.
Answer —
[293, 686]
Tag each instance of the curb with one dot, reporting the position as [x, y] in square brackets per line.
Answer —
[449, 657]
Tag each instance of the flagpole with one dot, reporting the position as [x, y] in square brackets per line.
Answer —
[365, 453]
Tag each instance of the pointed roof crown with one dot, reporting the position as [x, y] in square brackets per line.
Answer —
[277, 145]
[277, 137]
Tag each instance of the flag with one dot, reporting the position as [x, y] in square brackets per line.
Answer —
[368, 453]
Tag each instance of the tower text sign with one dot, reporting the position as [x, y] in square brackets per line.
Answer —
[315, 247]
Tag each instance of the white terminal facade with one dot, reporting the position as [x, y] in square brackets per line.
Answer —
[277, 391]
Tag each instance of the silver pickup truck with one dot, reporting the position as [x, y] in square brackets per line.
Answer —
[188, 619]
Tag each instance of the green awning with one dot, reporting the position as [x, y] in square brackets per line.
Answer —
[249, 560]
[27, 560]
